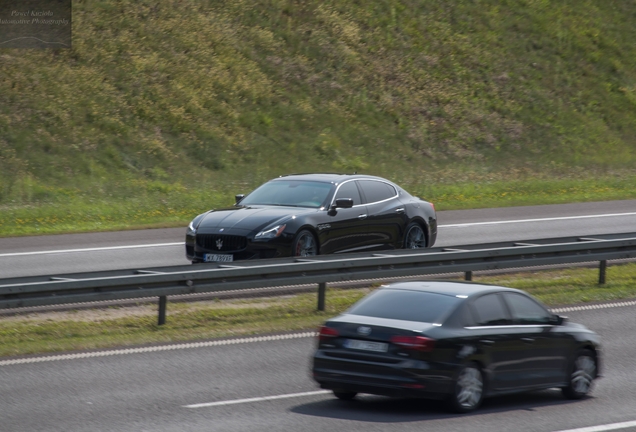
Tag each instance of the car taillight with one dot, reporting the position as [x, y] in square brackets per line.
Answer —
[327, 333]
[416, 343]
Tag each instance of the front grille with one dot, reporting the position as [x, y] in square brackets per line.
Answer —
[211, 242]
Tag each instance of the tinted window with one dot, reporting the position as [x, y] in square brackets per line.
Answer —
[525, 310]
[375, 191]
[289, 193]
[406, 305]
[349, 190]
[489, 310]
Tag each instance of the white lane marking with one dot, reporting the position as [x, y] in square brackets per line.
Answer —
[256, 399]
[439, 226]
[90, 249]
[594, 306]
[534, 220]
[171, 347]
[600, 428]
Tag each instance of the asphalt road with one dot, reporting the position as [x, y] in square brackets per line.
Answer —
[76, 253]
[264, 385]
[253, 385]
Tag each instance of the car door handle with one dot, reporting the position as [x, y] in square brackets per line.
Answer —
[362, 216]
[528, 340]
[487, 341]
[399, 210]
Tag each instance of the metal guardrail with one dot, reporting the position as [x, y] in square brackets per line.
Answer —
[204, 278]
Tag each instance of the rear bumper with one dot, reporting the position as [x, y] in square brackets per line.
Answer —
[408, 378]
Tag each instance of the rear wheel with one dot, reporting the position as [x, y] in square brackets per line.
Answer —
[342, 395]
[414, 237]
[305, 244]
[469, 389]
[582, 374]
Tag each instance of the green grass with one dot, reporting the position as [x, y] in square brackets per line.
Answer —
[175, 206]
[116, 327]
[163, 109]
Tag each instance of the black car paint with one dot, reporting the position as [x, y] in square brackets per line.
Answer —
[513, 357]
[360, 227]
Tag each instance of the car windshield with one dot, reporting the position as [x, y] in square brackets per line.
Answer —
[293, 193]
[406, 305]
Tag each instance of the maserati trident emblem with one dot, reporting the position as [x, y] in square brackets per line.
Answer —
[364, 330]
[219, 244]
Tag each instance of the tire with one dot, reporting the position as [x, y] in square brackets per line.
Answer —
[305, 244]
[343, 395]
[414, 237]
[469, 389]
[583, 371]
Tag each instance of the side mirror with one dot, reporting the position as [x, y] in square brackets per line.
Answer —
[340, 203]
[558, 319]
[238, 198]
[344, 203]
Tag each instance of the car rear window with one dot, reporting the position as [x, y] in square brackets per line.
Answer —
[406, 305]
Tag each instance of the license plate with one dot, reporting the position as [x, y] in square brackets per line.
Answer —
[218, 258]
[366, 346]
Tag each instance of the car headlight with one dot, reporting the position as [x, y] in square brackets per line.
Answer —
[271, 233]
[191, 229]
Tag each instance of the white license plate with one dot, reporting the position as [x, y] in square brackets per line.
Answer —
[218, 258]
[366, 346]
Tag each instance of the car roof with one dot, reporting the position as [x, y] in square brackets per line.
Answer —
[467, 289]
[327, 177]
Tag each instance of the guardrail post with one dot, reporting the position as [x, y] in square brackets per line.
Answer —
[468, 276]
[322, 289]
[601, 272]
[163, 300]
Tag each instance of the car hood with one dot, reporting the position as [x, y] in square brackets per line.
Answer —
[246, 218]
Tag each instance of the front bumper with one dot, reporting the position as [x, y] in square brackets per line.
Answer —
[240, 247]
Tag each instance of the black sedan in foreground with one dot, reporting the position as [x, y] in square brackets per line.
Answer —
[453, 341]
[310, 214]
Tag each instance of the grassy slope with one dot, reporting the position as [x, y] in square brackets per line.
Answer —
[164, 108]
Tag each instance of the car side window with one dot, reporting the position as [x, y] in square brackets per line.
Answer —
[489, 310]
[525, 310]
[349, 190]
[375, 191]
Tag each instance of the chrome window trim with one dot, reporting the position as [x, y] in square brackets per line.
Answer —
[333, 200]
[508, 326]
[397, 194]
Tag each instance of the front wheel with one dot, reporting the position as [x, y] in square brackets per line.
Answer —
[469, 389]
[414, 237]
[582, 374]
[305, 244]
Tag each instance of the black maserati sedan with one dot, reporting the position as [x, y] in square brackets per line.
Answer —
[310, 214]
[453, 341]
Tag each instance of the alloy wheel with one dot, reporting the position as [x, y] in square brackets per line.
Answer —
[583, 374]
[469, 391]
[415, 238]
[305, 244]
